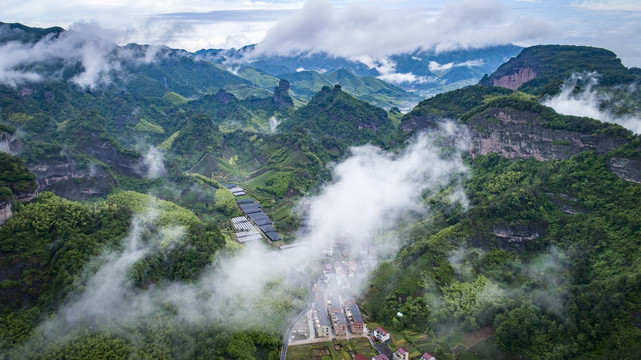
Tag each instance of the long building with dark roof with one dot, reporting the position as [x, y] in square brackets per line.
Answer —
[354, 318]
[249, 208]
[321, 320]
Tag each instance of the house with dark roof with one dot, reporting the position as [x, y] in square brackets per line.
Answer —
[380, 357]
[273, 236]
[267, 228]
[249, 208]
[383, 349]
[321, 321]
[354, 318]
[339, 324]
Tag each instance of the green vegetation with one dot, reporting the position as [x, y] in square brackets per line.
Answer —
[561, 295]
[454, 104]
[15, 177]
[332, 112]
[544, 263]
[553, 64]
[546, 116]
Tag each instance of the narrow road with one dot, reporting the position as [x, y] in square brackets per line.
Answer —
[288, 334]
[283, 351]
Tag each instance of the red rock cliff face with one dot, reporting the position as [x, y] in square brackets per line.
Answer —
[515, 80]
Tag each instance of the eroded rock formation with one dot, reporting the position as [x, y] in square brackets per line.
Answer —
[520, 135]
[515, 80]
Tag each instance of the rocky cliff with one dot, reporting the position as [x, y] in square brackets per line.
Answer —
[9, 143]
[66, 179]
[518, 134]
[626, 169]
[5, 212]
[541, 69]
[513, 81]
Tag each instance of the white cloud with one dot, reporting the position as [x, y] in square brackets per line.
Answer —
[154, 161]
[99, 59]
[435, 67]
[587, 102]
[609, 5]
[372, 191]
[358, 30]
[387, 71]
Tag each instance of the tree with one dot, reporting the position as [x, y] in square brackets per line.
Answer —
[517, 329]
[225, 201]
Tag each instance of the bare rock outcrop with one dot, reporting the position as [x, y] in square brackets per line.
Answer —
[5, 212]
[9, 143]
[66, 179]
[515, 80]
[626, 169]
[520, 135]
[516, 237]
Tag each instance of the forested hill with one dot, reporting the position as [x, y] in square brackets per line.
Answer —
[540, 70]
[541, 263]
[117, 187]
[334, 113]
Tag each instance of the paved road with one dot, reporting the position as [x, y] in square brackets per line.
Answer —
[283, 351]
[288, 334]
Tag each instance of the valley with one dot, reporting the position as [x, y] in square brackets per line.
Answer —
[164, 207]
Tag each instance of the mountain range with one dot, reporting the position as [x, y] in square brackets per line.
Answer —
[503, 220]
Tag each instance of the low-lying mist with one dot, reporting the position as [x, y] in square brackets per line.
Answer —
[372, 191]
[54, 55]
[588, 102]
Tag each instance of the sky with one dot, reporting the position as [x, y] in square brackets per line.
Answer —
[344, 27]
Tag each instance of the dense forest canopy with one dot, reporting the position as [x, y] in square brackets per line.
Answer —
[118, 242]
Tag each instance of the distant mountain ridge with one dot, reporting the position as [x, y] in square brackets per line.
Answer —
[426, 72]
[542, 69]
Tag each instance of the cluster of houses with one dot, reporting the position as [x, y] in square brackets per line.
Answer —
[341, 271]
[332, 316]
[384, 353]
[245, 226]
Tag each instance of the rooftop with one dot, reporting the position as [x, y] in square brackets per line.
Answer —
[356, 313]
[340, 318]
[249, 208]
[322, 314]
[381, 330]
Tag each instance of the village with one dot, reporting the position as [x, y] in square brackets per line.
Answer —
[332, 314]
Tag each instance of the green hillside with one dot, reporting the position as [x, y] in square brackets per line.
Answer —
[334, 113]
[540, 260]
[553, 64]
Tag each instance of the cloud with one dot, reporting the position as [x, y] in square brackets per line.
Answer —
[436, 67]
[358, 30]
[549, 274]
[386, 68]
[52, 56]
[154, 162]
[588, 102]
[371, 192]
[611, 5]
[273, 124]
